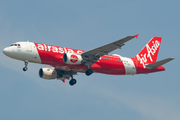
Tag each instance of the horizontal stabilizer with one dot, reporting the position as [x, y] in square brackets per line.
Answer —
[159, 63]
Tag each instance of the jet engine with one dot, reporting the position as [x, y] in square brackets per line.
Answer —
[72, 59]
[48, 73]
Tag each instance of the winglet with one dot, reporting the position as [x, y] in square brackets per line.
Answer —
[136, 36]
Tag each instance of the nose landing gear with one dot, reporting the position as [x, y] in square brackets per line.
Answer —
[26, 63]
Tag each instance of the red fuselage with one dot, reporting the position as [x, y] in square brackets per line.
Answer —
[107, 64]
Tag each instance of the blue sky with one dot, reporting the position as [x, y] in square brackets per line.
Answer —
[85, 25]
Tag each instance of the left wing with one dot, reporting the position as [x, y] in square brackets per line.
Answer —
[93, 55]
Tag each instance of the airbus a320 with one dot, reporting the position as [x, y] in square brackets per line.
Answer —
[67, 62]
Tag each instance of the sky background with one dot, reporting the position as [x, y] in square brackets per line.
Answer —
[86, 25]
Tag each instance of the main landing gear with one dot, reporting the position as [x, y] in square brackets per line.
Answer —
[89, 72]
[26, 63]
[72, 81]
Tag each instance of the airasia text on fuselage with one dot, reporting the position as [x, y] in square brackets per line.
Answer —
[56, 49]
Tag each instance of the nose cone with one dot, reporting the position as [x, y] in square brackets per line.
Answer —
[6, 51]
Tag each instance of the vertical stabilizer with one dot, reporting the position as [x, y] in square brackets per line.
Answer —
[150, 51]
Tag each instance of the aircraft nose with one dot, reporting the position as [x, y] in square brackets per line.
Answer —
[6, 51]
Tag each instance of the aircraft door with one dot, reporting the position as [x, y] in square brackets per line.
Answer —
[29, 47]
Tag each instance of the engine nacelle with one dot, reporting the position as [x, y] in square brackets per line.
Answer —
[48, 73]
[72, 59]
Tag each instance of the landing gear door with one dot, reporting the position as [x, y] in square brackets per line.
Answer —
[29, 46]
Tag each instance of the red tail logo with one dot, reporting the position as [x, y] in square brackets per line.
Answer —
[150, 52]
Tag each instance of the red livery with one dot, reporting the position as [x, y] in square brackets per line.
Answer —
[66, 62]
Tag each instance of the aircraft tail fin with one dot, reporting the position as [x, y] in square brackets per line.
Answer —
[150, 51]
[157, 64]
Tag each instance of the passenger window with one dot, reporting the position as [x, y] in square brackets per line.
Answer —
[15, 45]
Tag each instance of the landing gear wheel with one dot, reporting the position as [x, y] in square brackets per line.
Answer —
[26, 63]
[72, 82]
[89, 72]
[25, 69]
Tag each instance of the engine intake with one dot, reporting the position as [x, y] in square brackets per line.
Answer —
[72, 59]
[48, 73]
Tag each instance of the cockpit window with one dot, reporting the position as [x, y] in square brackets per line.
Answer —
[15, 45]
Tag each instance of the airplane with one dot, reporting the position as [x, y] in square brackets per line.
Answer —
[67, 62]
